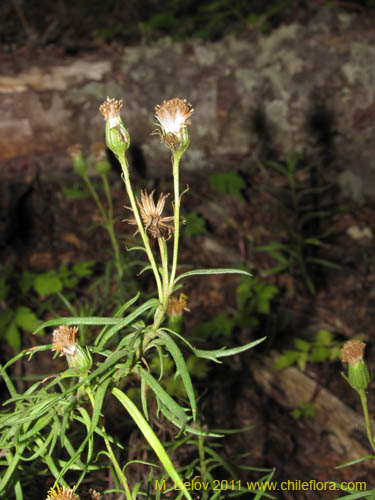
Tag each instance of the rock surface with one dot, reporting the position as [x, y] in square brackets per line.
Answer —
[300, 86]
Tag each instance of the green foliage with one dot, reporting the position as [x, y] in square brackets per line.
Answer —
[303, 411]
[218, 328]
[13, 321]
[47, 283]
[227, 184]
[58, 426]
[299, 201]
[254, 297]
[322, 348]
[18, 291]
[195, 225]
[210, 19]
[77, 191]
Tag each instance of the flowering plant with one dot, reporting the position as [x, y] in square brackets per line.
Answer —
[42, 426]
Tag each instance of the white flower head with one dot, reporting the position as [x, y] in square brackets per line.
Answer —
[172, 115]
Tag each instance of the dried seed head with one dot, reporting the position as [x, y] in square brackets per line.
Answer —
[116, 136]
[352, 351]
[64, 340]
[358, 373]
[110, 109]
[151, 215]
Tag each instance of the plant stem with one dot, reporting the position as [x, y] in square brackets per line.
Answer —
[108, 196]
[176, 181]
[202, 461]
[146, 243]
[116, 466]
[108, 222]
[110, 229]
[362, 395]
[121, 476]
[94, 194]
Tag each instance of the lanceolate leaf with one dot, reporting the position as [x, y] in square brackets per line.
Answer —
[197, 272]
[181, 367]
[175, 412]
[152, 439]
[223, 352]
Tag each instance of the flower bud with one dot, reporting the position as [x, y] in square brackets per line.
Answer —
[116, 136]
[358, 373]
[79, 163]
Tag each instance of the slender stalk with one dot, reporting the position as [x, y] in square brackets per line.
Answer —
[121, 476]
[164, 264]
[362, 395]
[175, 163]
[116, 466]
[202, 461]
[160, 312]
[108, 196]
[94, 194]
[111, 231]
[146, 243]
[107, 218]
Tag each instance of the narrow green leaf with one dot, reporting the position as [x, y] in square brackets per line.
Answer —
[223, 352]
[356, 461]
[92, 320]
[12, 464]
[168, 404]
[181, 368]
[144, 397]
[101, 340]
[323, 262]
[151, 438]
[211, 271]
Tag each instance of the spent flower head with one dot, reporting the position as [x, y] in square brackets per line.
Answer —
[90, 495]
[172, 119]
[352, 351]
[177, 305]
[117, 137]
[61, 493]
[64, 340]
[79, 163]
[358, 374]
[151, 215]
[110, 109]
